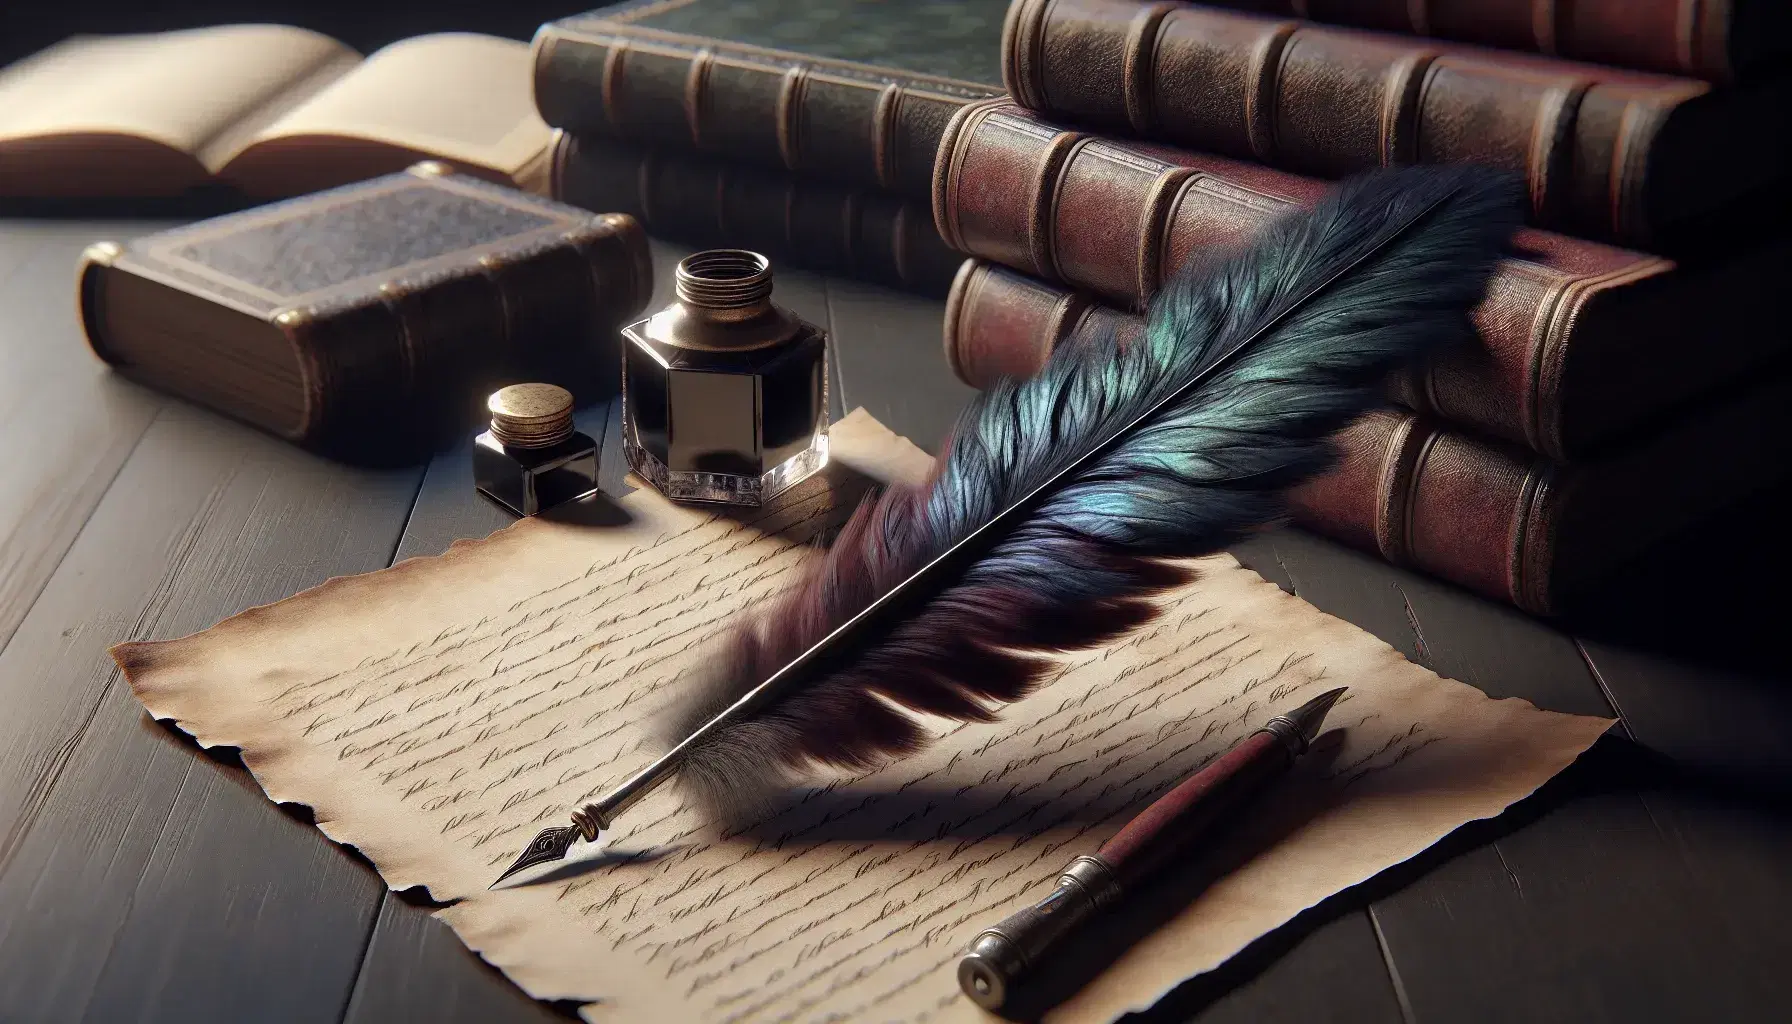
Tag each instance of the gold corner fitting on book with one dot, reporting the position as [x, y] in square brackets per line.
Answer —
[102, 253]
[292, 319]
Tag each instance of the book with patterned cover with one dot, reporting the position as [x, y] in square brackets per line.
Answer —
[362, 321]
[855, 90]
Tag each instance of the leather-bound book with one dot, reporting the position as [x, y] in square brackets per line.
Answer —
[1488, 516]
[364, 320]
[857, 91]
[1717, 40]
[1579, 345]
[1660, 163]
[805, 222]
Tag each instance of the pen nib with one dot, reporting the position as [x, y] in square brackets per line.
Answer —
[1310, 717]
[550, 845]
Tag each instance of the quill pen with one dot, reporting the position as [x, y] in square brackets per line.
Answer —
[1052, 518]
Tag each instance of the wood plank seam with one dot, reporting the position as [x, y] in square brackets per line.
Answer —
[1420, 648]
[373, 925]
[86, 518]
[379, 905]
[1393, 969]
[45, 782]
[1605, 688]
[144, 868]
[1387, 956]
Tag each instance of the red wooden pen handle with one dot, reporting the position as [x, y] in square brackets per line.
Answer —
[1181, 817]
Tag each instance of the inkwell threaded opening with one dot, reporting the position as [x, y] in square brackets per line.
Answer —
[531, 415]
[724, 280]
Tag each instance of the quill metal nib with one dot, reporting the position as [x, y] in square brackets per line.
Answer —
[551, 845]
[1301, 726]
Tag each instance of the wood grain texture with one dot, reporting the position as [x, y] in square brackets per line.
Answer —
[1587, 901]
[1332, 974]
[139, 879]
[1730, 726]
[69, 422]
[1593, 912]
[418, 971]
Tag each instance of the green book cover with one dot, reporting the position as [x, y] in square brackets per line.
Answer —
[948, 38]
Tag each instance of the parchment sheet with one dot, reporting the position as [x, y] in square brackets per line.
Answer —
[438, 713]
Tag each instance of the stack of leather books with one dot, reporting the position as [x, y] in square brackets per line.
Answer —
[1628, 379]
[805, 129]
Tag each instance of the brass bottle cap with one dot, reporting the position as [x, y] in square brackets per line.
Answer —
[531, 415]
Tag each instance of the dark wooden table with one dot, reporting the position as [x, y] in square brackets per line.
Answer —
[144, 880]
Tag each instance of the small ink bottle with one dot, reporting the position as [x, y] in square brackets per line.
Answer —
[724, 395]
[532, 459]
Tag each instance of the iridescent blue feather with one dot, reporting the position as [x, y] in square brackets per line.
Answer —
[1327, 303]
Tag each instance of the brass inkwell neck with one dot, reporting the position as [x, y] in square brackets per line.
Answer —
[724, 304]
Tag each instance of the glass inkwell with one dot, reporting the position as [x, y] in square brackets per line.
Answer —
[724, 395]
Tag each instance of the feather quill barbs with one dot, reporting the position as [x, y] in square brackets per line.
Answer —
[1053, 516]
[1106, 464]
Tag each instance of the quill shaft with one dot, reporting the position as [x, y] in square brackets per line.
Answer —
[833, 650]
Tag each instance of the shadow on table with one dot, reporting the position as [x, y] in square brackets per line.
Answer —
[1613, 765]
[210, 201]
[1712, 595]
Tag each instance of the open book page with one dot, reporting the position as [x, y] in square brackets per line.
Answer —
[437, 714]
[467, 99]
[179, 90]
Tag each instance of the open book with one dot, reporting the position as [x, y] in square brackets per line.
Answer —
[271, 110]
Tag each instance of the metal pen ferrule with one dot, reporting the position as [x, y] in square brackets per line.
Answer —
[1000, 956]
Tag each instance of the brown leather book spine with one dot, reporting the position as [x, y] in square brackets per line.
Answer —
[1482, 515]
[819, 225]
[853, 123]
[1118, 218]
[1717, 40]
[1329, 101]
